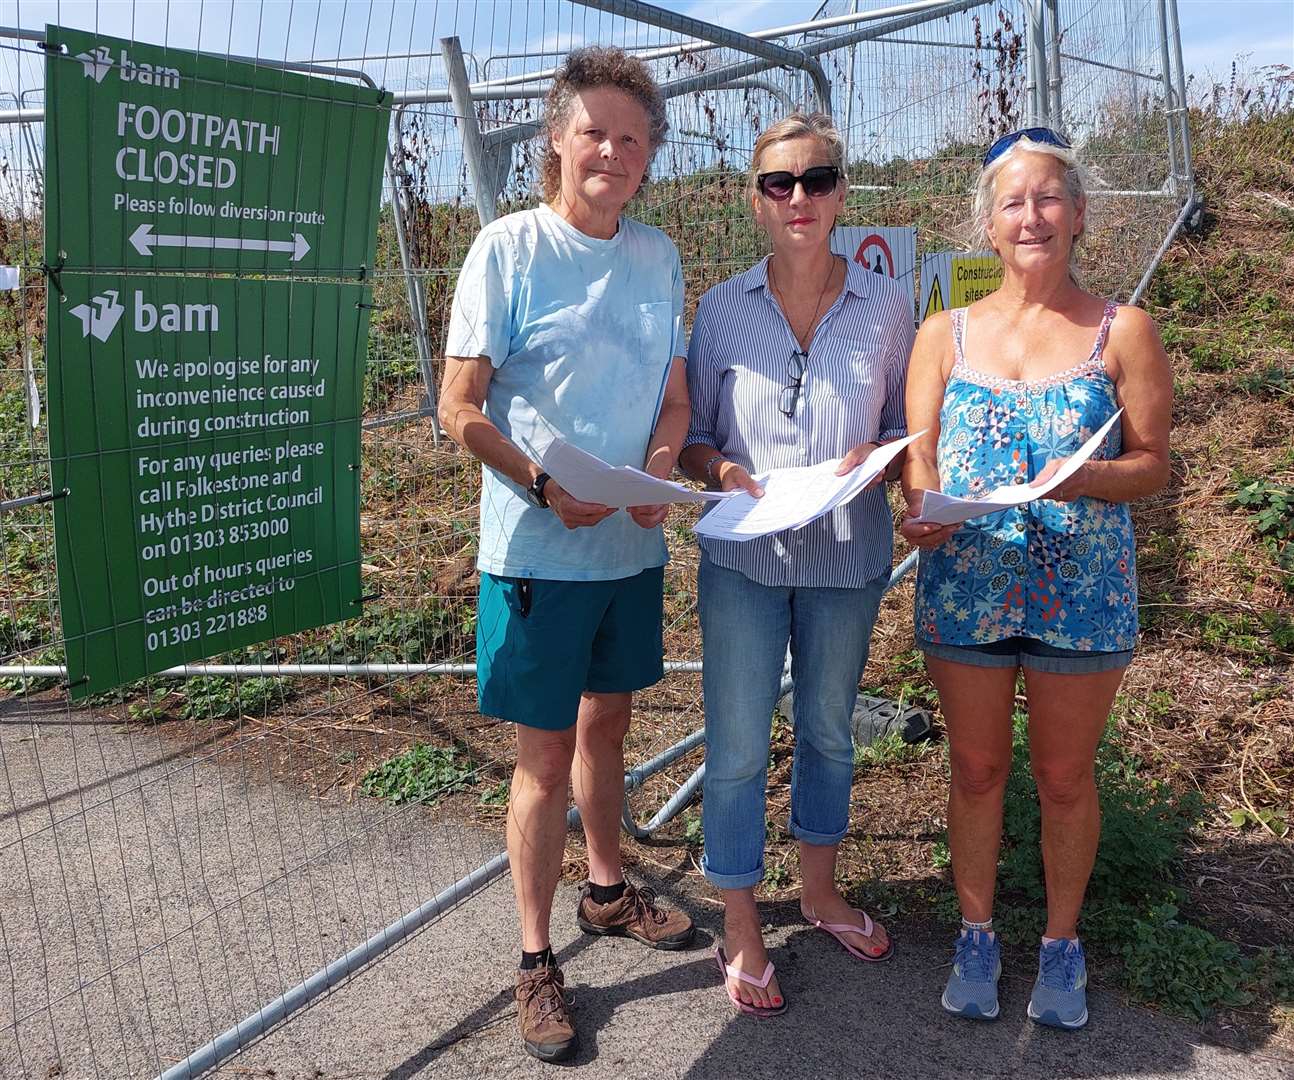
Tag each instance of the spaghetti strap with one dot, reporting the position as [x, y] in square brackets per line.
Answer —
[1103, 332]
[959, 331]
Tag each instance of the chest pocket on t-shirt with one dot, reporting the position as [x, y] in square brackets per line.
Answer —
[657, 329]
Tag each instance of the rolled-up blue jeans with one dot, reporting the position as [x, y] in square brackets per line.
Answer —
[745, 628]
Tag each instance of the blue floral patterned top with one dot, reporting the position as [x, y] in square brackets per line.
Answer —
[1063, 573]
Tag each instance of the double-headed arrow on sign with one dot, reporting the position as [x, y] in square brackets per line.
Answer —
[144, 240]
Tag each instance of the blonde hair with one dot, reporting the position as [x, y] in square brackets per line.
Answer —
[800, 125]
[1075, 179]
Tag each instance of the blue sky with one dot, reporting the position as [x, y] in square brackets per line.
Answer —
[1213, 31]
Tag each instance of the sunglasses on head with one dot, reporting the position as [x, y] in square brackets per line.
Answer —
[1037, 134]
[818, 183]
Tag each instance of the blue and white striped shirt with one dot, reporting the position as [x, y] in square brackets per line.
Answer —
[851, 393]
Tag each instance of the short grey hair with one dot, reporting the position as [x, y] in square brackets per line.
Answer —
[985, 190]
[801, 125]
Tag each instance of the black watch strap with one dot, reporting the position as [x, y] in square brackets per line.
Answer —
[536, 490]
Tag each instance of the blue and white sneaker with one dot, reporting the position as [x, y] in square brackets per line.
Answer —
[1060, 991]
[977, 966]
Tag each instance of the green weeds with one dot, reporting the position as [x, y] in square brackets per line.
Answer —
[890, 749]
[1271, 514]
[211, 697]
[423, 774]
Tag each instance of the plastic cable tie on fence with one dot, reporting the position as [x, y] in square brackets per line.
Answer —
[54, 273]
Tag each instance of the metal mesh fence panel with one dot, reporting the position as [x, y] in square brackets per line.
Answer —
[178, 852]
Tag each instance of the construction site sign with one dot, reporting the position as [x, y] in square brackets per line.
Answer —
[204, 440]
[890, 250]
[953, 279]
[161, 158]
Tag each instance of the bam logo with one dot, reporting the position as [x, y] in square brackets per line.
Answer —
[95, 65]
[100, 316]
[101, 319]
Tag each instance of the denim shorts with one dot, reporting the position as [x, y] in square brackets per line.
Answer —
[1028, 653]
[541, 643]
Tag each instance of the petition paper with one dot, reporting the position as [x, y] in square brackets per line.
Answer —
[940, 509]
[794, 497]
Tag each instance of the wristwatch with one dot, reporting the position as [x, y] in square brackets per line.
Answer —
[535, 492]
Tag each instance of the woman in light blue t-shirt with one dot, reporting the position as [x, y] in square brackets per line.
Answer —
[566, 323]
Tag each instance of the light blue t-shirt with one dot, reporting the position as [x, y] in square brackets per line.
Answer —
[581, 333]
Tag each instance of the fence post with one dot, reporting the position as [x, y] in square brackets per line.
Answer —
[1053, 38]
[473, 150]
[1183, 120]
[1170, 99]
[1037, 64]
[413, 288]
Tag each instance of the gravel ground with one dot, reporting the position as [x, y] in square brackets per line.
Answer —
[151, 896]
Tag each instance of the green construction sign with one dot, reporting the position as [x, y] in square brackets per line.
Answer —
[167, 159]
[207, 435]
[204, 428]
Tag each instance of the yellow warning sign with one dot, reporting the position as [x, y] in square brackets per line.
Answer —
[936, 300]
[953, 279]
[973, 278]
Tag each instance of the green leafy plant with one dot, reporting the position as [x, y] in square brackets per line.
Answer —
[1274, 818]
[496, 796]
[1182, 967]
[394, 636]
[423, 773]
[890, 749]
[211, 697]
[693, 833]
[1271, 514]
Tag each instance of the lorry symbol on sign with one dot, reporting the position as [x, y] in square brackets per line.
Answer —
[95, 65]
[100, 319]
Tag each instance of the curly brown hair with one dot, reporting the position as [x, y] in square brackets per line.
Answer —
[587, 69]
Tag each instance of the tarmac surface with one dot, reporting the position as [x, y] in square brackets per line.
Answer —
[149, 900]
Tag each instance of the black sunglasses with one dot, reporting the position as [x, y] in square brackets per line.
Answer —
[1037, 134]
[818, 182]
[795, 376]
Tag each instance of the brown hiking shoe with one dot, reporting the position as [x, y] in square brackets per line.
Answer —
[636, 915]
[544, 1013]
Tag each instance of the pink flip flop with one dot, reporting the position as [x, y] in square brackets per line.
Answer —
[727, 970]
[838, 930]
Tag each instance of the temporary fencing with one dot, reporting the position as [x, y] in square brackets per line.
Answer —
[190, 858]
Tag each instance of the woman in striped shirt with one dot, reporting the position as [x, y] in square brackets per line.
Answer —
[799, 360]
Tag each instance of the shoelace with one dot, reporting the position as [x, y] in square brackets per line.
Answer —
[645, 905]
[973, 954]
[548, 993]
[1059, 967]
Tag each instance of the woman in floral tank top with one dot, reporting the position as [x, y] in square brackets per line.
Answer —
[1009, 388]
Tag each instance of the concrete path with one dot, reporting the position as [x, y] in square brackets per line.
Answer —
[151, 895]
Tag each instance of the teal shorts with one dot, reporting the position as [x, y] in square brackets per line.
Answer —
[540, 644]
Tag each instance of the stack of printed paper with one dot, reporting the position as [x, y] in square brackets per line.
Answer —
[592, 480]
[940, 509]
[794, 497]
